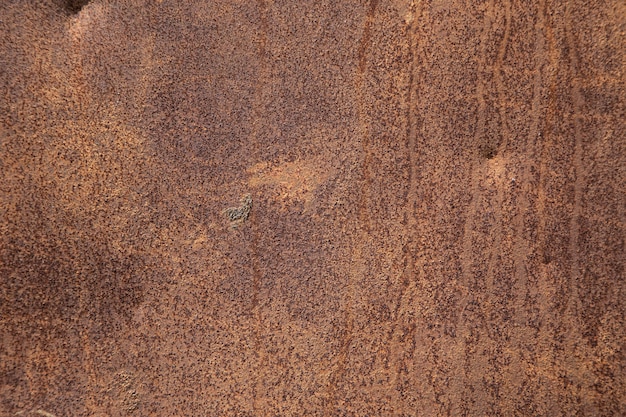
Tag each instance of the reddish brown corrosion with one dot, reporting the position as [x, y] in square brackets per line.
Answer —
[438, 221]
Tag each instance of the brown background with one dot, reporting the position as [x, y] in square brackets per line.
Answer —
[438, 215]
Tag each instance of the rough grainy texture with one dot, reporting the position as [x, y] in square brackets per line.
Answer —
[436, 224]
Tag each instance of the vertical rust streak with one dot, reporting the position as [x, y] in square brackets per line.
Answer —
[475, 169]
[466, 255]
[254, 229]
[521, 185]
[475, 172]
[520, 248]
[520, 245]
[367, 36]
[363, 120]
[551, 111]
[363, 221]
[83, 102]
[408, 274]
[497, 73]
[577, 103]
[495, 247]
[545, 336]
[411, 140]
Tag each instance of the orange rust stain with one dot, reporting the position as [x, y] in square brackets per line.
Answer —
[291, 181]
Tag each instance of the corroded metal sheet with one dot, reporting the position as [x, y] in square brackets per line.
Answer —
[281, 208]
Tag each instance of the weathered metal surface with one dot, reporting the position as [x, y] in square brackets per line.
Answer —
[435, 225]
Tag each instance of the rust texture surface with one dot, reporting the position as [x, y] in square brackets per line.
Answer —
[312, 208]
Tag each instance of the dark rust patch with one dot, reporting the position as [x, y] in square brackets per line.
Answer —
[75, 6]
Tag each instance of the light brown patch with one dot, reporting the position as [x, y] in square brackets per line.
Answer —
[292, 181]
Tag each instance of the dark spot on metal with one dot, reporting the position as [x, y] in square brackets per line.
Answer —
[75, 6]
